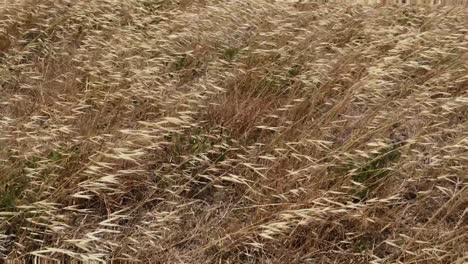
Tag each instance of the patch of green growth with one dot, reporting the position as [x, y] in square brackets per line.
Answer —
[15, 182]
[195, 142]
[294, 70]
[230, 53]
[274, 84]
[376, 168]
[198, 143]
[181, 62]
[221, 157]
[152, 5]
[7, 199]
[55, 156]
[32, 162]
[278, 83]
[11, 191]
[363, 245]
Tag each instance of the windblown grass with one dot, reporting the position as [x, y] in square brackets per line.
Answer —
[233, 132]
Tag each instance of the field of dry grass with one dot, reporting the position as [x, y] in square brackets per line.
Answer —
[245, 131]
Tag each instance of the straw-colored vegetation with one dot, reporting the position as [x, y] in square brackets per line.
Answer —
[233, 132]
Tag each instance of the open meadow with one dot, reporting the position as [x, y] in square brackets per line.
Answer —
[251, 131]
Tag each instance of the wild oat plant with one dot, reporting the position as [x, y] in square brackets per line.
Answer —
[233, 132]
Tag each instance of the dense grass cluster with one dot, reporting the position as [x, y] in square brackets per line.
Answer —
[248, 131]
